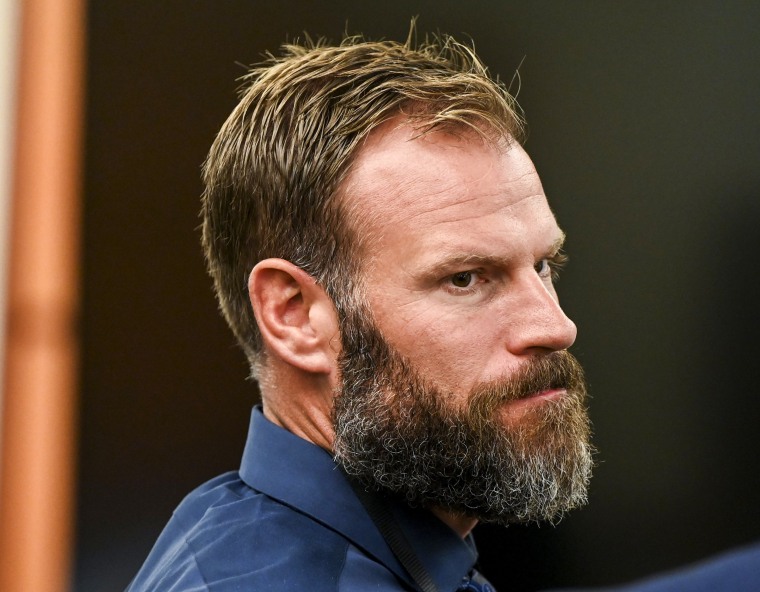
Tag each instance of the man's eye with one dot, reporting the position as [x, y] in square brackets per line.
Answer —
[543, 268]
[463, 279]
[550, 267]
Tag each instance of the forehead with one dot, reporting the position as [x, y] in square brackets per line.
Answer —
[442, 190]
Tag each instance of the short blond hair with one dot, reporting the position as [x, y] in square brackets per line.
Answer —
[273, 173]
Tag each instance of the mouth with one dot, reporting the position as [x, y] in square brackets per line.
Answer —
[513, 411]
[546, 395]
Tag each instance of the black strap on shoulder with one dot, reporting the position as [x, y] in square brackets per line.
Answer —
[383, 518]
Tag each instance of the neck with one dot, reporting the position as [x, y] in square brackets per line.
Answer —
[462, 525]
[299, 403]
[311, 427]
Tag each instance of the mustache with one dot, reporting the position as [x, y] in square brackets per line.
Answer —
[556, 370]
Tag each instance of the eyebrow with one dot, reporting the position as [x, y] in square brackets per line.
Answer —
[454, 259]
[557, 244]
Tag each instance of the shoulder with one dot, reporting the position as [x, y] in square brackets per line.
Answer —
[735, 571]
[226, 536]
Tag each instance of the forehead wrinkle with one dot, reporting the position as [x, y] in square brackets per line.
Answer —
[460, 192]
[380, 195]
[503, 209]
[436, 207]
[425, 191]
[428, 203]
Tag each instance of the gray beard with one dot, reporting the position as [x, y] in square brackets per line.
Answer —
[395, 431]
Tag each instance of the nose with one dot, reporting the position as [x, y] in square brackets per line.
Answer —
[537, 323]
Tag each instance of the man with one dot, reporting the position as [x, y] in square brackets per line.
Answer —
[383, 250]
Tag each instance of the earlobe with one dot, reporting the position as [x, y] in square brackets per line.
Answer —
[295, 316]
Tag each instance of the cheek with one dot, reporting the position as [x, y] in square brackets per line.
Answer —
[454, 346]
[455, 356]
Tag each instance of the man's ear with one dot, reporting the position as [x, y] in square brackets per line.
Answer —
[296, 318]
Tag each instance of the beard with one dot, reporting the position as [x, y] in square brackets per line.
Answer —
[396, 431]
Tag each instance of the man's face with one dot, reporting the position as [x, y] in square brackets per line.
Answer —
[454, 377]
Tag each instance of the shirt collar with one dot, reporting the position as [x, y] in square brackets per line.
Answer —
[304, 477]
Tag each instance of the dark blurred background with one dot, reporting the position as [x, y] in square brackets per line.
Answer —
[644, 126]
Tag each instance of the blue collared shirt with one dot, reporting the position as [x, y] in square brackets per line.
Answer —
[289, 520]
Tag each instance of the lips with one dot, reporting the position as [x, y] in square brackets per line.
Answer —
[551, 393]
[541, 376]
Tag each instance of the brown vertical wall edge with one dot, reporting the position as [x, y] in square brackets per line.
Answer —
[41, 342]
